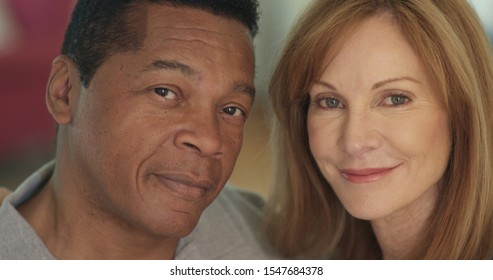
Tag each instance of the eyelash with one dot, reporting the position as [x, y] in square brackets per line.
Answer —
[340, 105]
[405, 102]
[158, 91]
[164, 91]
[319, 101]
[243, 112]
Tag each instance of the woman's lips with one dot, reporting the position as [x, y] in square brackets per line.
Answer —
[366, 175]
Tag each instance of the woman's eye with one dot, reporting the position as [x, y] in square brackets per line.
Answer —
[165, 92]
[330, 103]
[234, 111]
[396, 100]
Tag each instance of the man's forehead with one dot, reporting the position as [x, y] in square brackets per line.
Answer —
[166, 20]
[195, 34]
[194, 42]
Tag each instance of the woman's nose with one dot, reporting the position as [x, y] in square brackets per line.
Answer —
[359, 133]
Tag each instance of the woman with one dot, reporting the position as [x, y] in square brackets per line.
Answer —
[385, 133]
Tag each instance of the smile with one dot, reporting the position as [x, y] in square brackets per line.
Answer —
[368, 175]
[184, 186]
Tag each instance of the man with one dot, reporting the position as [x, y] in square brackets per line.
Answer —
[150, 98]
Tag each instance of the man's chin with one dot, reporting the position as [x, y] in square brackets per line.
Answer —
[176, 225]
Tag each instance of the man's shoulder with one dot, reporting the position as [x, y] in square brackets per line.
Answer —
[18, 240]
[237, 210]
[242, 201]
[230, 228]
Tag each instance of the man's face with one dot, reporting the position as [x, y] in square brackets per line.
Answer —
[156, 134]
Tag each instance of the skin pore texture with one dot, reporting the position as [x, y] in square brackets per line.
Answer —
[379, 133]
[150, 143]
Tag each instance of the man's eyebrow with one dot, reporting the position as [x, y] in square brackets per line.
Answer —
[239, 87]
[242, 87]
[379, 84]
[172, 65]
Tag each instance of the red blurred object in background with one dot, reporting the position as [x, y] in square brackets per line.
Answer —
[24, 72]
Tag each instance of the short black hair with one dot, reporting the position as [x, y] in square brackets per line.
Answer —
[100, 28]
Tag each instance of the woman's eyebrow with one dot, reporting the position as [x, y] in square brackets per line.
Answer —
[326, 84]
[391, 80]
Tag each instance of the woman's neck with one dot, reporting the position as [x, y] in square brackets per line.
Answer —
[399, 233]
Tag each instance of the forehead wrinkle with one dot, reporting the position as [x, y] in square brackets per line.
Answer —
[217, 46]
[174, 66]
[195, 34]
[194, 29]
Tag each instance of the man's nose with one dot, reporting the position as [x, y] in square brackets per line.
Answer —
[201, 133]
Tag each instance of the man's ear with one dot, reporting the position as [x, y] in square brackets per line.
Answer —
[63, 89]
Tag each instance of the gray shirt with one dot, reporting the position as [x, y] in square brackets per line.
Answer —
[228, 229]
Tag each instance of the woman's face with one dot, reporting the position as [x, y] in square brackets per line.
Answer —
[376, 128]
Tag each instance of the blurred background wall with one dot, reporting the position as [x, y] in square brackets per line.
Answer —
[31, 32]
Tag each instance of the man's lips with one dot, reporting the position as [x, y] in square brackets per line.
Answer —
[184, 186]
[366, 175]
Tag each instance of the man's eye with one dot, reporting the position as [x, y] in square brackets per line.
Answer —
[165, 92]
[234, 111]
[330, 103]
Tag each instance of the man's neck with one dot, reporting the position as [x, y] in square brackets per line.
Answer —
[73, 231]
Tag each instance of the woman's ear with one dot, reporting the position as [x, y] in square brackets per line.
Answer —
[63, 89]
